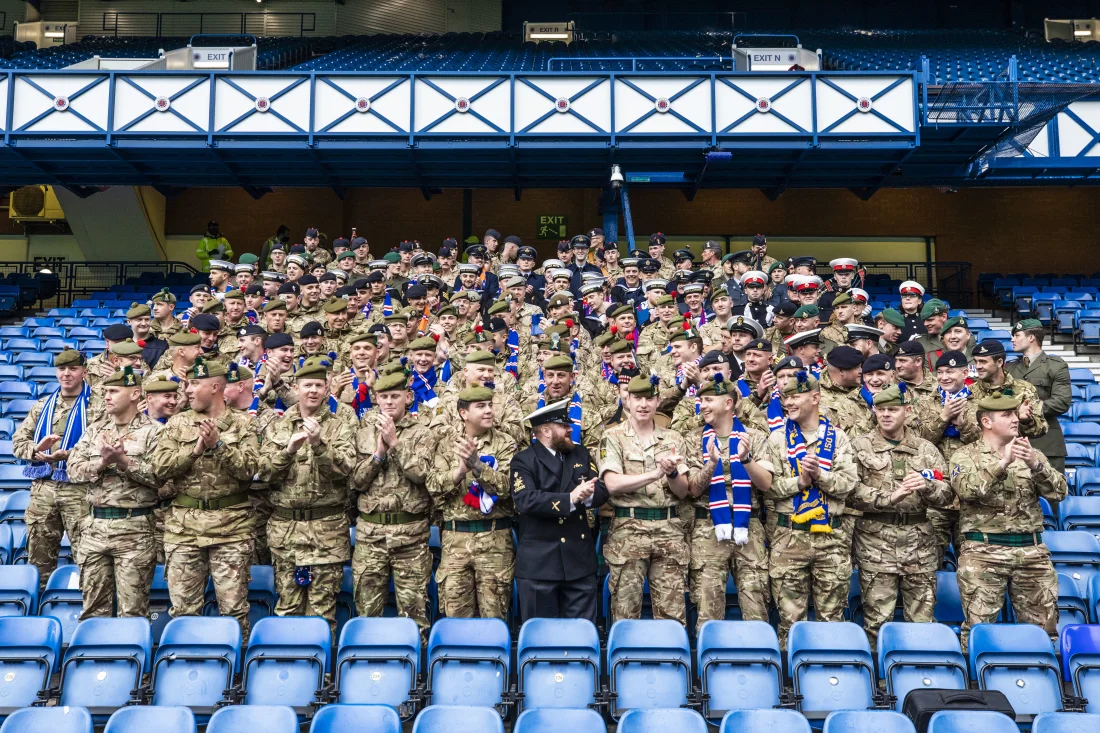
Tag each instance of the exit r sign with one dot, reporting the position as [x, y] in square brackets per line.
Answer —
[552, 226]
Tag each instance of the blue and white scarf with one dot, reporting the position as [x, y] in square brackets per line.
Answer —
[728, 516]
[476, 496]
[74, 429]
[952, 431]
[360, 396]
[867, 396]
[811, 505]
[423, 388]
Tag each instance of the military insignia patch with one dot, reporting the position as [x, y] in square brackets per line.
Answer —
[956, 470]
[556, 505]
[517, 483]
[200, 370]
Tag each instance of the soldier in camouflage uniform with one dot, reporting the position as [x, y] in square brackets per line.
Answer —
[896, 548]
[999, 479]
[656, 334]
[841, 395]
[714, 558]
[912, 369]
[211, 453]
[164, 322]
[305, 457]
[102, 365]
[162, 397]
[117, 547]
[390, 478]
[470, 485]
[183, 348]
[647, 469]
[989, 359]
[480, 371]
[56, 505]
[809, 555]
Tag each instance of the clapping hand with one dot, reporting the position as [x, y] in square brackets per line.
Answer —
[583, 491]
[40, 454]
[111, 453]
[312, 430]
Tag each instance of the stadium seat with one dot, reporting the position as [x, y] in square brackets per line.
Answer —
[770, 720]
[1065, 723]
[27, 344]
[1083, 412]
[649, 664]
[106, 661]
[831, 667]
[914, 656]
[1072, 602]
[261, 595]
[21, 390]
[5, 544]
[41, 374]
[457, 719]
[286, 662]
[377, 661]
[56, 346]
[1018, 660]
[18, 409]
[1086, 481]
[14, 332]
[7, 452]
[62, 599]
[253, 718]
[1080, 513]
[18, 588]
[740, 667]
[971, 721]
[30, 647]
[662, 720]
[341, 718]
[863, 721]
[1084, 377]
[48, 720]
[144, 719]
[7, 428]
[1077, 554]
[469, 662]
[561, 720]
[1080, 647]
[1084, 433]
[11, 372]
[558, 663]
[195, 662]
[159, 603]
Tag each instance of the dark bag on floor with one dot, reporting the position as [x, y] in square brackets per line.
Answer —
[920, 705]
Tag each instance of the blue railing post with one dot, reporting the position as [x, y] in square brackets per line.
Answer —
[627, 219]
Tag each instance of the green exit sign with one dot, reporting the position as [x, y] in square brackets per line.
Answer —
[552, 226]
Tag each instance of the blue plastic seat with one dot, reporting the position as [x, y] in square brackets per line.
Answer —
[7, 428]
[1065, 723]
[662, 720]
[253, 719]
[62, 599]
[1080, 512]
[1073, 602]
[457, 719]
[48, 720]
[377, 661]
[22, 344]
[1018, 660]
[1083, 377]
[1080, 646]
[5, 544]
[469, 661]
[831, 667]
[56, 346]
[1087, 412]
[341, 718]
[286, 662]
[914, 656]
[195, 662]
[30, 647]
[649, 664]
[1085, 433]
[863, 721]
[1086, 480]
[560, 720]
[27, 390]
[41, 374]
[779, 720]
[558, 663]
[14, 332]
[11, 372]
[18, 409]
[18, 588]
[971, 721]
[48, 332]
[105, 662]
[143, 719]
[159, 603]
[740, 667]
[1077, 554]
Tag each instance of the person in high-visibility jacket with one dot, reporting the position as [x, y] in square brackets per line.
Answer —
[213, 246]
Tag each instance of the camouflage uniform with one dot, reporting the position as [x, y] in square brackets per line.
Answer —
[55, 507]
[215, 541]
[804, 562]
[712, 561]
[896, 547]
[652, 342]
[1035, 425]
[391, 536]
[309, 525]
[259, 492]
[479, 561]
[99, 367]
[117, 552]
[647, 537]
[163, 332]
[506, 411]
[930, 426]
[1001, 521]
[846, 408]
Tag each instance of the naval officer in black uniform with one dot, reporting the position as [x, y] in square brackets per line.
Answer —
[553, 482]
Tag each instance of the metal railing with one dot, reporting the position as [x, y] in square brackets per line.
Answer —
[563, 61]
[949, 281]
[62, 282]
[186, 24]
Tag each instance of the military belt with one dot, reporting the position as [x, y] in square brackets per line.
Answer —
[482, 525]
[897, 518]
[110, 512]
[701, 513]
[391, 517]
[1026, 539]
[646, 513]
[784, 520]
[306, 515]
[239, 500]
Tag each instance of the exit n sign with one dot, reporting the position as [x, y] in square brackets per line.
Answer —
[552, 226]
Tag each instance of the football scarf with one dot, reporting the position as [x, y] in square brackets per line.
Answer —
[476, 497]
[74, 429]
[731, 519]
[811, 505]
[952, 431]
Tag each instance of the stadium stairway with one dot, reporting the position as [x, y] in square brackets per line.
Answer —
[1061, 350]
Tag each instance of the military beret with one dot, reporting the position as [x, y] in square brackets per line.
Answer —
[1026, 325]
[213, 306]
[476, 394]
[896, 395]
[249, 259]
[841, 299]
[315, 367]
[760, 344]
[161, 384]
[910, 348]
[718, 294]
[716, 385]
[934, 307]
[251, 329]
[807, 311]
[203, 369]
[877, 363]
[184, 338]
[424, 343]
[559, 299]
[394, 366]
[953, 359]
[358, 242]
[644, 386]
[275, 304]
[620, 346]
[233, 294]
[118, 332]
[126, 348]
[164, 296]
[893, 317]
[998, 401]
[492, 233]
[69, 357]
[340, 242]
[471, 295]
[290, 289]
[496, 325]
[254, 289]
[621, 310]
[446, 310]
[787, 308]
[684, 332]
[953, 322]
[276, 340]
[138, 310]
[656, 238]
[559, 363]
[200, 288]
[125, 377]
[604, 339]
[238, 373]
[345, 255]
[205, 322]
[357, 336]
[787, 362]
[845, 357]
[480, 357]
[392, 258]
[500, 306]
[802, 382]
[666, 300]
[335, 305]
[777, 266]
[395, 382]
[712, 357]
[334, 276]
[313, 328]
[990, 347]
[416, 292]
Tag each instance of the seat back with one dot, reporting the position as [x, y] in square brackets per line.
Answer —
[1080, 512]
[1065, 723]
[286, 661]
[195, 662]
[146, 718]
[266, 718]
[649, 664]
[971, 721]
[457, 719]
[558, 663]
[469, 661]
[30, 648]
[1080, 644]
[831, 667]
[105, 662]
[859, 721]
[341, 718]
[1075, 553]
[740, 666]
[377, 661]
[915, 656]
[1073, 603]
[563, 720]
[48, 720]
[662, 720]
[18, 588]
[771, 720]
[62, 599]
[1018, 660]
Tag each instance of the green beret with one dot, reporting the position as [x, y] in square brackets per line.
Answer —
[956, 321]
[621, 310]
[807, 311]
[777, 265]
[998, 401]
[683, 333]
[138, 310]
[666, 300]
[717, 386]
[315, 367]
[275, 304]
[559, 363]
[398, 381]
[165, 296]
[604, 339]
[476, 394]
[161, 384]
[184, 338]
[68, 357]
[893, 396]
[335, 305]
[345, 255]
[481, 357]
[500, 306]
[233, 294]
[238, 373]
[393, 366]
[392, 257]
[358, 336]
[802, 382]
[203, 369]
[621, 346]
[213, 306]
[933, 307]
[248, 259]
[126, 348]
[841, 299]
[893, 317]
[447, 310]
[397, 317]
[424, 343]
[644, 386]
[1027, 324]
[124, 377]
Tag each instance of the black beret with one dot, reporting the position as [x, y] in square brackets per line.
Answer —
[374, 277]
[953, 359]
[307, 280]
[251, 330]
[492, 233]
[327, 277]
[496, 325]
[878, 362]
[254, 289]
[200, 289]
[512, 238]
[358, 242]
[911, 348]
[713, 357]
[344, 292]
[989, 347]
[788, 362]
[379, 328]
[416, 291]
[276, 340]
[289, 288]
[845, 357]
[787, 308]
[405, 246]
[340, 242]
[297, 249]
[119, 332]
[205, 322]
[760, 345]
[564, 246]
[313, 328]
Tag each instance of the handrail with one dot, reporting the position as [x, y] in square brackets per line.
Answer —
[797, 42]
[160, 19]
[635, 59]
[191, 40]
